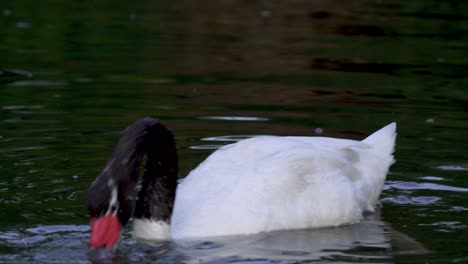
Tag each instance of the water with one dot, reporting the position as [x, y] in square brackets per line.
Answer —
[74, 74]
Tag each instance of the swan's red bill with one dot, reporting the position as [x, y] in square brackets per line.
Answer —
[105, 231]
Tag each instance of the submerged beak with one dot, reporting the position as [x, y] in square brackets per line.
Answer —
[105, 231]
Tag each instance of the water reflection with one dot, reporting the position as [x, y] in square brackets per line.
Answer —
[368, 240]
[371, 239]
[311, 245]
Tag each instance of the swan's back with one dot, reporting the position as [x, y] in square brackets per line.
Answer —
[271, 183]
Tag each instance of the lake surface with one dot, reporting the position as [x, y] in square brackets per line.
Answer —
[74, 74]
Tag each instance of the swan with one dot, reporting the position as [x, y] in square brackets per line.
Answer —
[260, 184]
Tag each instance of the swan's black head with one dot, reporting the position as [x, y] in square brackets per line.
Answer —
[113, 199]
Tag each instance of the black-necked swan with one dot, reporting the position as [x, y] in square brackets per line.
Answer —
[259, 184]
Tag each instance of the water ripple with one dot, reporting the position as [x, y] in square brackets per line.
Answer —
[401, 199]
[236, 118]
[46, 244]
[458, 209]
[39, 83]
[446, 226]
[21, 120]
[40, 230]
[426, 186]
[16, 107]
[432, 178]
[21, 149]
[452, 168]
[228, 138]
[203, 147]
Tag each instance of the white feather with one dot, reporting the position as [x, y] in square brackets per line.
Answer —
[149, 230]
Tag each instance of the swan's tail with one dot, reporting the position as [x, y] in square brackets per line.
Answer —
[376, 165]
[383, 140]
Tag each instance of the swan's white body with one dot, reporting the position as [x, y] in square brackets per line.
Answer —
[272, 183]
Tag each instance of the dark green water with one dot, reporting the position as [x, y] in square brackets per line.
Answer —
[75, 73]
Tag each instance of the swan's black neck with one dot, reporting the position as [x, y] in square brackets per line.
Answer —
[156, 197]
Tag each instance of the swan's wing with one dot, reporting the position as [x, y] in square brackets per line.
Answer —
[269, 183]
